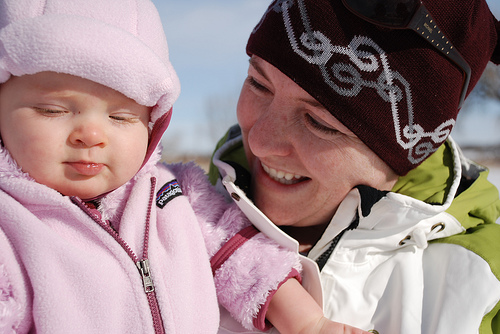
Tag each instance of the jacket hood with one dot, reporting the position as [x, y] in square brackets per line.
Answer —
[475, 200]
[116, 43]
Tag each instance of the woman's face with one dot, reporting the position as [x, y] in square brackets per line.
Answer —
[302, 159]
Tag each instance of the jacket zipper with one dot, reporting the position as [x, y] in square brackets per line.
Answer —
[323, 258]
[142, 265]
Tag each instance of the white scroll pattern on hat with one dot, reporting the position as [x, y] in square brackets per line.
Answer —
[317, 49]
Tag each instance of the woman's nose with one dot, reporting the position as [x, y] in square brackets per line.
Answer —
[88, 133]
[268, 136]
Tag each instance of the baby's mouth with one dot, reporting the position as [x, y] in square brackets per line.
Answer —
[86, 168]
[283, 177]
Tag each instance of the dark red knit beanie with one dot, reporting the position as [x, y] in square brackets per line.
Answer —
[390, 87]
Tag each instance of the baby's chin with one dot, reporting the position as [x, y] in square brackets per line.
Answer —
[85, 196]
[83, 192]
[86, 188]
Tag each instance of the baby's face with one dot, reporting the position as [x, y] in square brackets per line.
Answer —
[74, 135]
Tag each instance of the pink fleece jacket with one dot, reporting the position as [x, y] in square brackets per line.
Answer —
[61, 272]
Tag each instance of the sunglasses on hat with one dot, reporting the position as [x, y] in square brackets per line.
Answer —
[410, 14]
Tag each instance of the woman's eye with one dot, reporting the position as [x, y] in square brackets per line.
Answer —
[319, 125]
[255, 84]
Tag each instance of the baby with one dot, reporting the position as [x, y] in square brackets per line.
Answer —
[97, 236]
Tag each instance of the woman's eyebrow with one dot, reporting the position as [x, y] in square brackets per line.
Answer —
[255, 64]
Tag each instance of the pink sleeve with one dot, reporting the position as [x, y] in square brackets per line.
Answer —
[246, 271]
[231, 246]
[248, 279]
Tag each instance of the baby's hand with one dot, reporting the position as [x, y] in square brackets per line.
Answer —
[326, 326]
[293, 310]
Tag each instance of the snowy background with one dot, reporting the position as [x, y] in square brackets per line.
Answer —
[207, 48]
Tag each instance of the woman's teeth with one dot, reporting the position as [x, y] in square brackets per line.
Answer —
[282, 177]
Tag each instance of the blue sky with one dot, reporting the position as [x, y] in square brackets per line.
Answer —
[207, 48]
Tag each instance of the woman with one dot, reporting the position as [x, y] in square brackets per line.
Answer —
[343, 142]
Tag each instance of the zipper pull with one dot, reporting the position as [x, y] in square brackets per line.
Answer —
[147, 281]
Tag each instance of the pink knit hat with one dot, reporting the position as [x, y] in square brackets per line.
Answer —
[392, 88]
[117, 43]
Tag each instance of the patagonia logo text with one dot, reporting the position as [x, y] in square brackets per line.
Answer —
[167, 193]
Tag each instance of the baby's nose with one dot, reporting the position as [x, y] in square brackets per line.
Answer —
[89, 134]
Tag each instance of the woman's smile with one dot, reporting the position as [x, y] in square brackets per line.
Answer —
[282, 176]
